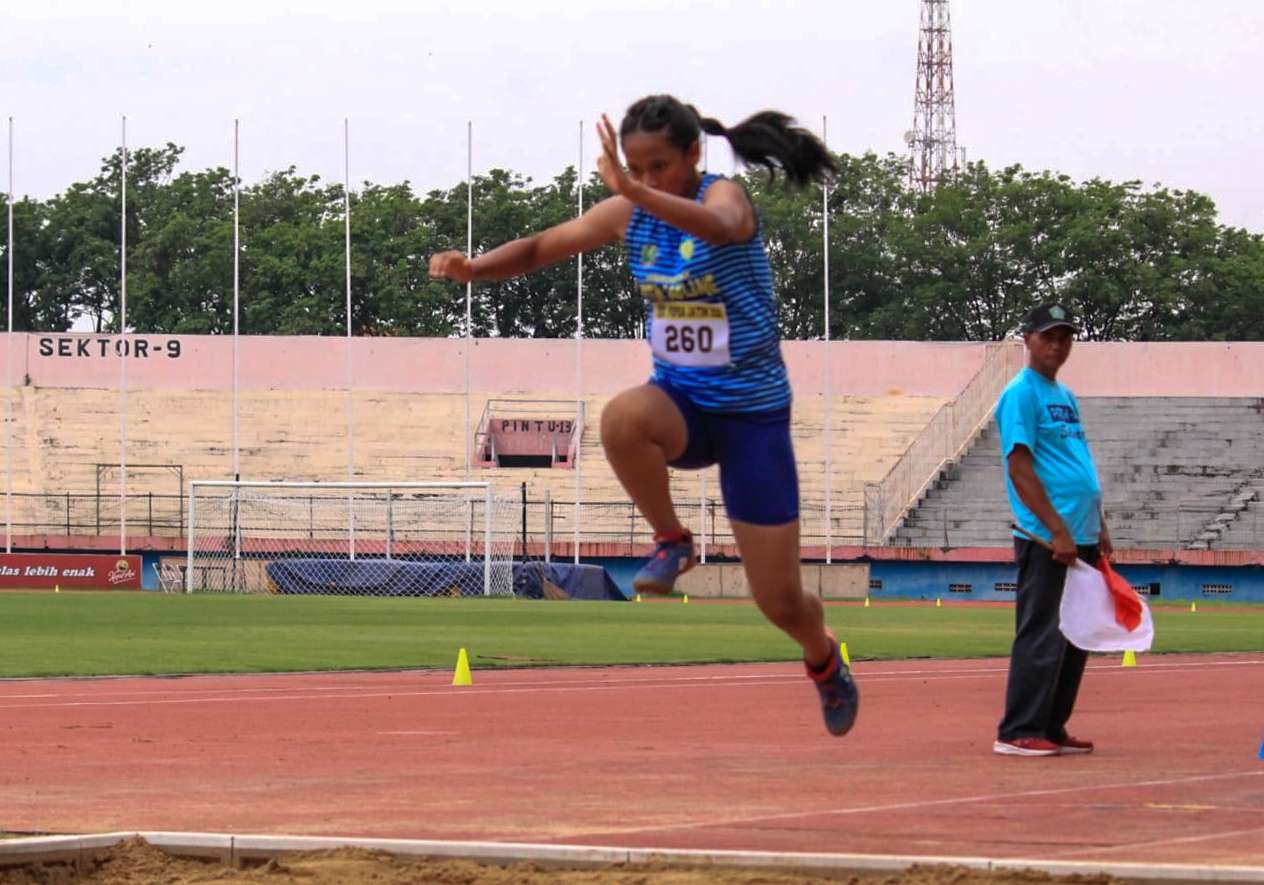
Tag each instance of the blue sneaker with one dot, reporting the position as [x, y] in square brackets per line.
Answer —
[671, 560]
[840, 699]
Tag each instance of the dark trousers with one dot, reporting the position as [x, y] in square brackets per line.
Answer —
[1044, 669]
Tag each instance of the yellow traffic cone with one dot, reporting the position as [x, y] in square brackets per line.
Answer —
[866, 602]
[1130, 659]
[685, 600]
[938, 602]
[1193, 606]
[462, 674]
[842, 649]
[638, 598]
[57, 588]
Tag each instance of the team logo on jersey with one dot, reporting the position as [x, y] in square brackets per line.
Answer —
[649, 254]
[686, 248]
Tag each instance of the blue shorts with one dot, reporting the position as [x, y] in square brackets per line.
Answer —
[758, 477]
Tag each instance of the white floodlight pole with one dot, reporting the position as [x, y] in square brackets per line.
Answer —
[346, 215]
[487, 541]
[236, 300]
[579, 343]
[236, 332]
[120, 347]
[469, 321]
[702, 475]
[829, 411]
[8, 374]
[469, 287]
[702, 514]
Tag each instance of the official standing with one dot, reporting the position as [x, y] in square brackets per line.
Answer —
[1055, 496]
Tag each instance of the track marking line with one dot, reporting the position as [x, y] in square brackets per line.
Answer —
[936, 803]
[1160, 843]
[436, 692]
[618, 671]
[657, 681]
[419, 733]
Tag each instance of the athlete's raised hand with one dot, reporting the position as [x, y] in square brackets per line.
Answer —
[608, 165]
[452, 265]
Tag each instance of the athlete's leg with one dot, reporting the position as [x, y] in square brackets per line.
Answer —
[770, 557]
[642, 429]
[760, 483]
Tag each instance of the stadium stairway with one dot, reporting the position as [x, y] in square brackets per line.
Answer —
[1176, 472]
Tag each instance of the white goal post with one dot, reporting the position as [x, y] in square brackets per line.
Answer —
[349, 538]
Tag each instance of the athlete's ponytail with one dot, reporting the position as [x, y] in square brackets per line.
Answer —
[769, 138]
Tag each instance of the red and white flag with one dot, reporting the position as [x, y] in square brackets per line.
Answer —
[1101, 612]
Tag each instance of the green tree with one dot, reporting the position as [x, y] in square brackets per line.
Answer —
[293, 267]
[964, 262]
[33, 307]
[180, 275]
[791, 227]
[869, 215]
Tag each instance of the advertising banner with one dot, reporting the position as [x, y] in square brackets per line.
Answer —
[69, 571]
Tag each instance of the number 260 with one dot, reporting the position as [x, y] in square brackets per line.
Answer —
[686, 339]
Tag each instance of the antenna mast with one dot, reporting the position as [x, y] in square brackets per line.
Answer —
[933, 138]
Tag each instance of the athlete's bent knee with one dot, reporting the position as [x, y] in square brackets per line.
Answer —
[621, 426]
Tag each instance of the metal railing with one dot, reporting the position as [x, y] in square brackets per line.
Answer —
[97, 513]
[1153, 526]
[617, 523]
[947, 435]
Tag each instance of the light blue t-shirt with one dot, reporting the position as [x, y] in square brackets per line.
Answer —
[1044, 416]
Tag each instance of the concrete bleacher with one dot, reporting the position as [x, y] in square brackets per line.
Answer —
[868, 434]
[1180, 472]
[1180, 416]
[184, 435]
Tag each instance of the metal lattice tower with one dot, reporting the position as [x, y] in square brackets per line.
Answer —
[933, 138]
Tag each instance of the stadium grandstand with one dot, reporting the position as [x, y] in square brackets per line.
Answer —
[897, 453]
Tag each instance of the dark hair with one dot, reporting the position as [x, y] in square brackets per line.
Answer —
[769, 139]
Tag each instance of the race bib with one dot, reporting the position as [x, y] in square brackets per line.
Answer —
[690, 333]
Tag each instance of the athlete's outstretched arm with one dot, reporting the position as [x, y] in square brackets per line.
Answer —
[724, 216]
[601, 225]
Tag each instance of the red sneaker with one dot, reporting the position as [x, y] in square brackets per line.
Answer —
[1075, 745]
[1031, 746]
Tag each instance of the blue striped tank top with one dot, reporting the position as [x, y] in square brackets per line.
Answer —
[670, 265]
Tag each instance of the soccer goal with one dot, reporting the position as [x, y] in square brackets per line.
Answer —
[350, 539]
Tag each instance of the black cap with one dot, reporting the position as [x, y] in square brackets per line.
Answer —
[1047, 316]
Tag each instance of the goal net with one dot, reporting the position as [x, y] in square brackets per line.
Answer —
[350, 539]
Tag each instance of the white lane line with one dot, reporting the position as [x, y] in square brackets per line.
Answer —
[447, 692]
[935, 803]
[1160, 843]
[419, 733]
[354, 693]
[186, 694]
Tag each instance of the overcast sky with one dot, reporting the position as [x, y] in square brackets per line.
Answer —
[1158, 90]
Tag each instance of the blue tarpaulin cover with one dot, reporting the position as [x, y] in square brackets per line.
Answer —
[576, 581]
[377, 577]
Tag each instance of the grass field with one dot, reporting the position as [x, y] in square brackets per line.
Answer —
[88, 634]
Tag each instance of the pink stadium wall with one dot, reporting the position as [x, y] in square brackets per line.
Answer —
[1176, 369]
[436, 365]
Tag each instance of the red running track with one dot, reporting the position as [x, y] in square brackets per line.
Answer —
[718, 757]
